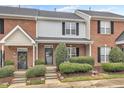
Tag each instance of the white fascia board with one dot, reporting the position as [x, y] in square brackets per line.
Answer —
[12, 31]
[62, 19]
[120, 42]
[13, 44]
[65, 41]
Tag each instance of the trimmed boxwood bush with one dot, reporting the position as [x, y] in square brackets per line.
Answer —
[116, 55]
[37, 71]
[113, 67]
[9, 62]
[39, 62]
[68, 67]
[6, 71]
[61, 54]
[82, 60]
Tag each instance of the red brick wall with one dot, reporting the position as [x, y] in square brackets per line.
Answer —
[101, 40]
[29, 26]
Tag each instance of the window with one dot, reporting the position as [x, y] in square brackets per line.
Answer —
[1, 26]
[71, 52]
[70, 28]
[104, 53]
[105, 27]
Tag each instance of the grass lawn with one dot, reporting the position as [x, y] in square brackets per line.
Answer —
[3, 86]
[97, 77]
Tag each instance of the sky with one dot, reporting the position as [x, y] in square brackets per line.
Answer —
[70, 8]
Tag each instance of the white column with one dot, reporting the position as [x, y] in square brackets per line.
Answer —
[37, 51]
[33, 55]
[90, 50]
[2, 55]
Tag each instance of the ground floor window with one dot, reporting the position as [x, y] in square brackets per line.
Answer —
[72, 52]
[104, 54]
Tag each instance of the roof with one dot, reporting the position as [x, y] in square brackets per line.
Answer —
[35, 12]
[121, 37]
[100, 13]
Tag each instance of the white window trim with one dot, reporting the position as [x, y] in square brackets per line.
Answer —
[70, 29]
[105, 28]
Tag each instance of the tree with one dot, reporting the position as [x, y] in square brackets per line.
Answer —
[61, 54]
[116, 55]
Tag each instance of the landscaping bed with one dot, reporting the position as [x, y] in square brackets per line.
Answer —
[35, 81]
[36, 75]
[96, 77]
[6, 80]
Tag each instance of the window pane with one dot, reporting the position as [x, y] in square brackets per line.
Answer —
[102, 30]
[108, 50]
[102, 51]
[102, 57]
[67, 27]
[108, 30]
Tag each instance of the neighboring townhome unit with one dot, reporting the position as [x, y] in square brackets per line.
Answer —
[56, 27]
[106, 31]
[17, 34]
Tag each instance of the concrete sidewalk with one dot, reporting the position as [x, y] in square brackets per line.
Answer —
[109, 83]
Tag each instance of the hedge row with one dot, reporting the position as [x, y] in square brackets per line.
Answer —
[82, 60]
[113, 67]
[6, 71]
[37, 71]
[68, 67]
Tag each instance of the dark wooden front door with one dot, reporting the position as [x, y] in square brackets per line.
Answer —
[49, 56]
[22, 60]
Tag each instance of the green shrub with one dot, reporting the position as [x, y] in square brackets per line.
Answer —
[36, 71]
[113, 67]
[68, 67]
[116, 55]
[82, 60]
[61, 54]
[39, 62]
[6, 71]
[9, 62]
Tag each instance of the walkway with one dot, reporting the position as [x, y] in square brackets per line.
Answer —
[110, 83]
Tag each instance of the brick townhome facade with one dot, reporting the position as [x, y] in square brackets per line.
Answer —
[29, 34]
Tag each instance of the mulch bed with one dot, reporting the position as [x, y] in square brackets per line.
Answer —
[35, 78]
[76, 74]
[6, 80]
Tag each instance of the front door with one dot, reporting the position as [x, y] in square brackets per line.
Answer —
[22, 60]
[49, 56]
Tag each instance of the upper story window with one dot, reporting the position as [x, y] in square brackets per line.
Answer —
[105, 27]
[1, 26]
[70, 28]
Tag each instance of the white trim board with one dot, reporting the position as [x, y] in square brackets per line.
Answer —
[13, 30]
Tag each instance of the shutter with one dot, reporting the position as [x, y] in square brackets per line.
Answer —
[98, 55]
[63, 28]
[77, 29]
[112, 27]
[77, 51]
[98, 26]
[1, 26]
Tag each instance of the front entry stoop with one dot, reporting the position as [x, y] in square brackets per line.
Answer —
[51, 75]
[19, 77]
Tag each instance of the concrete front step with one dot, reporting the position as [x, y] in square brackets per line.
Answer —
[51, 78]
[18, 80]
[51, 75]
